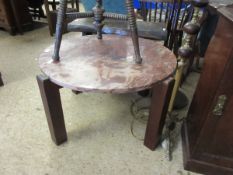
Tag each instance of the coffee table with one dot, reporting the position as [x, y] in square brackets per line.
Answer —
[107, 66]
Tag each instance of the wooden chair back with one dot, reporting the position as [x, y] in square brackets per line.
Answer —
[55, 3]
[175, 13]
[35, 8]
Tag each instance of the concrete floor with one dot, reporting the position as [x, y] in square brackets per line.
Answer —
[100, 141]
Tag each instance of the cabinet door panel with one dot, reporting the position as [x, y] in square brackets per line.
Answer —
[216, 142]
[216, 61]
[207, 133]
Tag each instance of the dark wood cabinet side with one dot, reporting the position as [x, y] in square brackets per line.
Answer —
[207, 137]
[15, 16]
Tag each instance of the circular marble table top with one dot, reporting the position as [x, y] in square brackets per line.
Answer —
[107, 65]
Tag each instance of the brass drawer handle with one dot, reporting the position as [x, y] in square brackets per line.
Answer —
[219, 107]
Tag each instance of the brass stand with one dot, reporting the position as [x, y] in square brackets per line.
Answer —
[181, 101]
[186, 51]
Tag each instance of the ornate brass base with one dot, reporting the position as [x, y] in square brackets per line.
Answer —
[181, 101]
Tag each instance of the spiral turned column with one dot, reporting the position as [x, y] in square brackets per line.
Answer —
[133, 30]
[98, 18]
[190, 29]
[59, 29]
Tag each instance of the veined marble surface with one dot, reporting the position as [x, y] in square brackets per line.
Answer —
[107, 65]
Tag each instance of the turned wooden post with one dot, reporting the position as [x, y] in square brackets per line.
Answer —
[98, 18]
[59, 28]
[133, 30]
[185, 52]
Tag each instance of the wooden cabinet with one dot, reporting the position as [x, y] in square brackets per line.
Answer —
[14, 15]
[207, 133]
[6, 18]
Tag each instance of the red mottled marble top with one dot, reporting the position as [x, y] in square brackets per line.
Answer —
[107, 65]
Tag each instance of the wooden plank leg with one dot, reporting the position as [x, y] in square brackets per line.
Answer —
[53, 109]
[16, 16]
[1, 82]
[159, 106]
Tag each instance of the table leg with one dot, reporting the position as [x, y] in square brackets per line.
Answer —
[1, 82]
[16, 16]
[53, 109]
[54, 5]
[161, 94]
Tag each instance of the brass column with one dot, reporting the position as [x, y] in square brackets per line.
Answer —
[191, 29]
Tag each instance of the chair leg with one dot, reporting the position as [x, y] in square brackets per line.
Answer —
[53, 109]
[133, 30]
[1, 82]
[72, 4]
[159, 105]
[54, 5]
[77, 5]
[49, 18]
[41, 12]
[59, 28]
[16, 15]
